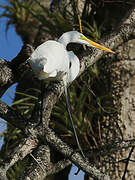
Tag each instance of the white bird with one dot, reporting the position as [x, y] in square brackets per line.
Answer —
[52, 60]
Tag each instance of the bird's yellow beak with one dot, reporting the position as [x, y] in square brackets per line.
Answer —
[94, 44]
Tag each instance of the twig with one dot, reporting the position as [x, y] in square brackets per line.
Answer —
[113, 147]
[37, 162]
[79, 20]
[127, 162]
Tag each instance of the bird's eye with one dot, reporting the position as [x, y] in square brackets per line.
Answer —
[70, 65]
[81, 37]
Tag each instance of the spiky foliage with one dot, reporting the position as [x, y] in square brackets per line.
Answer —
[19, 16]
[16, 12]
[29, 15]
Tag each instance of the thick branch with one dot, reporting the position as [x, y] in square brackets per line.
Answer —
[41, 166]
[59, 166]
[18, 62]
[120, 35]
[89, 57]
[129, 17]
[75, 157]
[111, 148]
[25, 147]
[59, 145]
[62, 147]
[12, 116]
[10, 71]
[49, 100]
[6, 76]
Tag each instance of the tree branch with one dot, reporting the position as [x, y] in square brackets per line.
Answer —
[111, 148]
[12, 116]
[91, 56]
[37, 169]
[6, 76]
[127, 162]
[18, 63]
[59, 145]
[10, 72]
[41, 166]
[62, 147]
[75, 157]
[25, 147]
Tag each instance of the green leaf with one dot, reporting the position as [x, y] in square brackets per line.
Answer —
[24, 94]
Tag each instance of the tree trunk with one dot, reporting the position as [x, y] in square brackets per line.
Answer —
[120, 76]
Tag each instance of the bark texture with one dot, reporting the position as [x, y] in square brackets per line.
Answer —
[119, 77]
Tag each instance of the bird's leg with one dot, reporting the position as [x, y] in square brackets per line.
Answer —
[70, 117]
[39, 107]
[41, 102]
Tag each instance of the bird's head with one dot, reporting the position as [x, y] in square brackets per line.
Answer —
[77, 37]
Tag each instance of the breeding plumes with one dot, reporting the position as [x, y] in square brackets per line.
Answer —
[51, 60]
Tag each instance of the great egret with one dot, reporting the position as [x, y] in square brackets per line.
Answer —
[52, 60]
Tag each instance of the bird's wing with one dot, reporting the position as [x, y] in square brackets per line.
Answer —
[51, 58]
[74, 67]
[38, 59]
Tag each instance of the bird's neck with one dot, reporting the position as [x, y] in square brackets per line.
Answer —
[65, 39]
